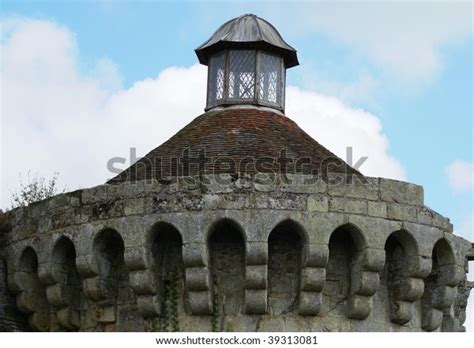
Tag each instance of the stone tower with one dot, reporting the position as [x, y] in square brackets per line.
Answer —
[239, 222]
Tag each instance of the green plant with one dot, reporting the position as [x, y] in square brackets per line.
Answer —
[35, 189]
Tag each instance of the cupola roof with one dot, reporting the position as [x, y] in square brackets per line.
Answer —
[247, 32]
[237, 141]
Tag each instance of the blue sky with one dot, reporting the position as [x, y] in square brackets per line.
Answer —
[409, 65]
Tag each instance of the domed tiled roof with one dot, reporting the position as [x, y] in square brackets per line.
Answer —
[236, 140]
[247, 31]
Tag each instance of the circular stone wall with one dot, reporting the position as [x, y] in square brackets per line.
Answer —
[230, 253]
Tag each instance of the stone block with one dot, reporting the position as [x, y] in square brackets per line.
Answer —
[136, 258]
[289, 201]
[366, 283]
[424, 216]
[401, 212]
[317, 203]
[348, 205]
[255, 301]
[143, 282]
[58, 201]
[359, 307]
[39, 321]
[94, 195]
[200, 302]
[256, 277]
[86, 265]
[377, 209]
[219, 183]
[309, 303]
[400, 192]
[197, 278]
[194, 254]
[316, 255]
[106, 314]
[266, 182]
[419, 267]
[313, 279]
[409, 289]
[373, 259]
[441, 222]
[431, 319]
[368, 190]
[225, 201]
[55, 295]
[401, 312]
[134, 206]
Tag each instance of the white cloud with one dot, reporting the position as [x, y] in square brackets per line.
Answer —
[362, 89]
[404, 38]
[461, 175]
[338, 126]
[55, 118]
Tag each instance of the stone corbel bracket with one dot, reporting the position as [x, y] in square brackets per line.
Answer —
[59, 293]
[143, 280]
[195, 260]
[30, 294]
[409, 289]
[97, 288]
[313, 278]
[256, 278]
[440, 298]
[365, 282]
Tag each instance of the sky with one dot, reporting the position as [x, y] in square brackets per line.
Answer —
[84, 81]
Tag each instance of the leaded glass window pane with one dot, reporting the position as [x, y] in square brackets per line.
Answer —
[216, 79]
[234, 76]
[270, 78]
[242, 74]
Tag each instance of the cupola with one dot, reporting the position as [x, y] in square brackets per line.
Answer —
[247, 60]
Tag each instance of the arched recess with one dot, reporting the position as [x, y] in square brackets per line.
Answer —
[438, 295]
[226, 247]
[285, 253]
[167, 251]
[111, 289]
[32, 296]
[66, 295]
[345, 249]
[400, 256]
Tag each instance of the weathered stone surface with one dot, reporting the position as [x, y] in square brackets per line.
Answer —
[377, 209]
[256, 277]
[260, 285]
[348, 205]
[368, 190]
[401, 212]
[400, 192]
[318, 203]
[255, 301]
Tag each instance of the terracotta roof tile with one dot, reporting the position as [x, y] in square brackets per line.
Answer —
[233, 141]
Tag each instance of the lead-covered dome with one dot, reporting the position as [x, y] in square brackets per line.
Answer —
[247, 31]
